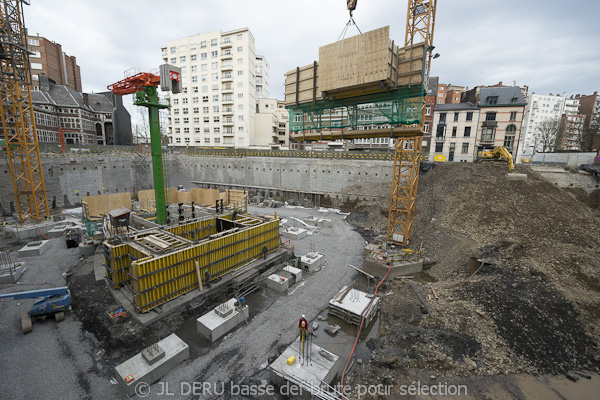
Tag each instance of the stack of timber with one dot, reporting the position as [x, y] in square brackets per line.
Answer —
[363, 64]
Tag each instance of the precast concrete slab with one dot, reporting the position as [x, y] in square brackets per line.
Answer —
[278, 283]
[294, 273]
[137, 369]
[324, 223]
[351, 304]
[399, 268]
[312, 261]
[294, 233]
[34, 249]
[222, 320]
[12, 274]
[320, 367]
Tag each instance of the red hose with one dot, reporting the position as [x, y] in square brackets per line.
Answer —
[47, 238]
[360, 329]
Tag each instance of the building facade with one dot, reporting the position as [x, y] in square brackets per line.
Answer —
[430, 102]
[455, 129]
[539, 108]
[49, 59]
[86, 118]
[262, 78]
[217, 104]
[271, 125]
[501, 112]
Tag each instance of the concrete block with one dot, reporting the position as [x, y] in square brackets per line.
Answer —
[294, 233]
[312, 261]
[176, 351]
[324, 223]
[34, 249]
[311, 220]
[278, 283]
[87, 249]
[322, 368]
[222, 320]
[153, 353]
[516, 177]
[351, 304]
[399, 268]
[295, 273]
[12, 274]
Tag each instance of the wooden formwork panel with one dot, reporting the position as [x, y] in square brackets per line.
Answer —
[160, 279]
[97, 206]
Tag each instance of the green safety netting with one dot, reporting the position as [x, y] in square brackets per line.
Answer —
[393, 107]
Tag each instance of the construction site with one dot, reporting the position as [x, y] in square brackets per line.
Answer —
[150, 273]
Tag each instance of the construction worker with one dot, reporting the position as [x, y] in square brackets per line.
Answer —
[303, 326]
[265, 251]
[235, 211]
[207, 277]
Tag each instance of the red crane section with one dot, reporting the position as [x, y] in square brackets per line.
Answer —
[134, 83]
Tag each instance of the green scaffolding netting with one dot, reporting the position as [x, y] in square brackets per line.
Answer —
[394, 107]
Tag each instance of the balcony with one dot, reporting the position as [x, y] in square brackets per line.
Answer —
[490, 124]
[227, 133]
[227, 67]
[227, 121]
[226, 56]
[227, 110]
[227, 78]
[226, 44]
[227, 100]
[227, 89]
[487, 140]
[440, 138]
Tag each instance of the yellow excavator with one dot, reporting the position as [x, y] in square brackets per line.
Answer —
[499, 152]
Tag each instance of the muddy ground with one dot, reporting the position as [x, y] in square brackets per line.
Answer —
[534, 306]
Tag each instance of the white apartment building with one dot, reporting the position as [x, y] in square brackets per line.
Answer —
[271, 125]
[262, 78]
[454, 131]
[539, 108]
[217, 104]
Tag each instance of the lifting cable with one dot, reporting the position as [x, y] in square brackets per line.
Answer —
[348, 25]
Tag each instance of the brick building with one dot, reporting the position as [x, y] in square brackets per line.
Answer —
[50, 60]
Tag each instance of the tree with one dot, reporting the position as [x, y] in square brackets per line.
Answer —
[547, 133]
[141, 126]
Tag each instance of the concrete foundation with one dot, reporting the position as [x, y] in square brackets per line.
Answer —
[221, 320]
[321, 368]
[399, 268]
[312, 261]
[12, 274]
[278, 283]
[350, 305]
[34, 249]
[311, 221]
[87, 249]
[137, 369]
[324, 223]
[295, 274]
[294, 233]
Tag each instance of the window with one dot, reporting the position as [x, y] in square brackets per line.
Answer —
[513, 115]
[215, 65]
[470, 116]
[214, 54]
[184, 100]
[33, 42]
[452, 147]
[454, 129]
[428, 110]
[203, 44]
[214, 42]
[186, 120]
[215, 97]
[206, 119]
[204, 67]
[193, 57]
[241, 128]
[193, 47]
[195, 89]
[175, 101]
[442, 117]
[240, 61]
[185, 110]
[36, 54]
[511, 129]
[206, 129]
[217, 140]
[197, 140]
[186, 130]
[207, 140]
[465, 148]
[205, 110]
[440, 132]
[182, 59]
[172, 49]
[176, 120]
[514, 100]
[177, 130]
[467, 131]
[488, 134]
[215, 77]
[183, 70]
[439, 102]
[240, 107]
[240, 49]
[195, 100]
[490, 116]
[492, 100]
[194, 68]
[178, 140]
[176, 111]
[216, 129]
[439, 147]
[196, 110]
[240, 95]
[204, 89]
[173, 60]
[240, 117]
[216, 109]
[509, 141]
[204, 77]
[240, 72]
[426, 128]
[440, 94]
[239, 36]
[215, 87]
[216, 119]
[205, 99]
[455, 117]
[203, 56]
[194, 78]
[196, 120]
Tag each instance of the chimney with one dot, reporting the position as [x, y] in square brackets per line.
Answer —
[86, 99]
[44, 82]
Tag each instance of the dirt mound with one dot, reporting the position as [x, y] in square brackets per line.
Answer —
[534, 307]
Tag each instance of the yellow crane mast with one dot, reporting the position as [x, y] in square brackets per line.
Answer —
[16, 112]
[420, 25]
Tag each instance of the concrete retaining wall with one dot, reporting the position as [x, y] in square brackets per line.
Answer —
[562, 178]
[571, 159]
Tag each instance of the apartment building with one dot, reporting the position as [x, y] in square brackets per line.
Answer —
[501, 112]
[87, 118]
[454, 94]
[430, 101]
[217, 104]
[49, 59]
[271, 125]
[540, 108]
[455, 129]
[262, 78]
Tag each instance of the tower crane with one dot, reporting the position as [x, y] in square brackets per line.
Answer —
[16, 112]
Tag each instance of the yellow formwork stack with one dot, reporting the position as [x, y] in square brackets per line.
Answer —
[159, 279]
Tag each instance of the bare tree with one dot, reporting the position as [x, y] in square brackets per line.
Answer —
[547, 133]
[141, 126]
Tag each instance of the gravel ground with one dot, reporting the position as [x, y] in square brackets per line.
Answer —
[56, 359]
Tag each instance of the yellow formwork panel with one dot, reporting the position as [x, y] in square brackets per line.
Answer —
[118, 259]
[157, 280]
[195, 230]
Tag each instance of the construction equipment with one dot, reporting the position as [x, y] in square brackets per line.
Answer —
[144, 86]
[49, 302]
[499, 152]
[16, 112]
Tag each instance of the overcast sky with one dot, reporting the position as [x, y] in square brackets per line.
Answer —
[550, 45]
